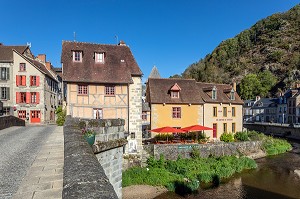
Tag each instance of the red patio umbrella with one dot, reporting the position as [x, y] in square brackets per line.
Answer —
[167, 129]
[196, 128]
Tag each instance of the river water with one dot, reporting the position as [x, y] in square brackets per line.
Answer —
[274, 178]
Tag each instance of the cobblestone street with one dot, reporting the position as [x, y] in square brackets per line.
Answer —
[31, 162]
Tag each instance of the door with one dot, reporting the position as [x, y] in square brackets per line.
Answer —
[215, 130]
[35, 116]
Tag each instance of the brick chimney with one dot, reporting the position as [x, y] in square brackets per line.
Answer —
[48, 65]
[234, 86]
[42, 58]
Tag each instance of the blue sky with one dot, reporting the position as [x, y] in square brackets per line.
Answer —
[170, 34]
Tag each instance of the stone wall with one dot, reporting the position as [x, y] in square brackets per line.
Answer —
[282, 130]
[8, 121]
[104, 180]
[172, 151]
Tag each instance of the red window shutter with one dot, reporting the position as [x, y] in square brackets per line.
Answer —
[30, 80]
[17, 97]
[24, 80]
[37, 80]
[28, 97]
[17, 80]
[37, 97]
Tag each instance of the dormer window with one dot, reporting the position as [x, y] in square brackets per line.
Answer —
[174, 91]
[174, 94]
[232, 95]
[77, 56]
[214, 93]
[99, 57]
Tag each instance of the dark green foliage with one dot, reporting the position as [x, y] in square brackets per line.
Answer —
[184, 175]
[227, 137]
[272, 44]
[195, 152]
[241, 136]
[61, 116]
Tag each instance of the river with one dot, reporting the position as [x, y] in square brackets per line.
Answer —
[274, 178]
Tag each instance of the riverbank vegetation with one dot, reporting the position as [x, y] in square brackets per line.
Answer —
[271, 145]
[185, 175]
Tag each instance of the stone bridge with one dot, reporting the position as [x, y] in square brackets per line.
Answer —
[281, 130]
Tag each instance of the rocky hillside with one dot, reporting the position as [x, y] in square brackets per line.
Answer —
[272, 44]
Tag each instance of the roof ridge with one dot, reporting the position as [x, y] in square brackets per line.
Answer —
[81, 42]
[172, 79]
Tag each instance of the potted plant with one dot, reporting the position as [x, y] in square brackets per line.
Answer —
[89, 136]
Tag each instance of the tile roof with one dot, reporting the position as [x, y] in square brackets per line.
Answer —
[154, 73]
[159, 91]
[119, 65]
[6, 52]
[223, 93]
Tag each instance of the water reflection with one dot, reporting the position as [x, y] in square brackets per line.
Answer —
[274, 178]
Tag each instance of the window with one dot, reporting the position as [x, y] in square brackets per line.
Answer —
[144, 115]
[77, 56]
[21, 80]
[110, 90]
[4, 95]
[224, 127]
[6, 110]
[99, 57]
[224, 111]
[34, 98]
[4, 73]
[233, 128]
[98, 114]
[233, 111]
[214, 93]
[232, 96]
[176, 112]
[82, 89]
[215, 111]
[174, 94]
[215, 127]
[22, 114]
[22, 67]
[34, 80]
[22, 98]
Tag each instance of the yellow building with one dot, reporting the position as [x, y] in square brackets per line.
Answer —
[104, 82]
[183, 102]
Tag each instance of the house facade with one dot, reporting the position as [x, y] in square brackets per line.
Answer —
[28, 85]
[103, 82]
[183, 102]
[35, 89]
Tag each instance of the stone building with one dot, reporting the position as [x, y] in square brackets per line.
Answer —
[104, 82]
[28, 85]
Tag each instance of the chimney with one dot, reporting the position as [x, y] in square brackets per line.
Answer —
[257, 98]
[42, 58]
[234, 85]
[122, 43]
[48, 65]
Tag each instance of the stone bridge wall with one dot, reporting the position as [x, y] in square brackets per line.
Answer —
[93, 172]
[8, 121]
[172, 151]
[275, 129]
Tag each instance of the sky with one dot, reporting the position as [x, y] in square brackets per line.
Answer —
[169, 34]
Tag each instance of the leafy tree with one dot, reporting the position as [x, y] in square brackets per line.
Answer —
[250, 86]
[267, 81]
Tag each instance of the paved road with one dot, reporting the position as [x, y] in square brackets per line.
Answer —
[19, 147]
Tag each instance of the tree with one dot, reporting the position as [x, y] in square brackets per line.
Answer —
[250, 86]
[267, 81]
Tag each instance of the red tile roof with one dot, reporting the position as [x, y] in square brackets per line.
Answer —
[118, 67]
[6, 52]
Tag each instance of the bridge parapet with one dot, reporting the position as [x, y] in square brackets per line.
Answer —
[93, 172]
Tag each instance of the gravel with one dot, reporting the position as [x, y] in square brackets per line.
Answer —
[18, 148]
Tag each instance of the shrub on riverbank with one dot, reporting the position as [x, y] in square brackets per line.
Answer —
[272, 146]
[227, 137]
[186, 174]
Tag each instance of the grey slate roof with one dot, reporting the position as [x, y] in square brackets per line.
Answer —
[154, 73]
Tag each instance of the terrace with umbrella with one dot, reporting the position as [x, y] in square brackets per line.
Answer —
[164, 131]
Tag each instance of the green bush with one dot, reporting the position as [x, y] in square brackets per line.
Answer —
[227, 137]
[61, 116]
[241, 136]
[195, 152]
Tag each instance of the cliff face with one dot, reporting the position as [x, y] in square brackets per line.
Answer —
[271, 44]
